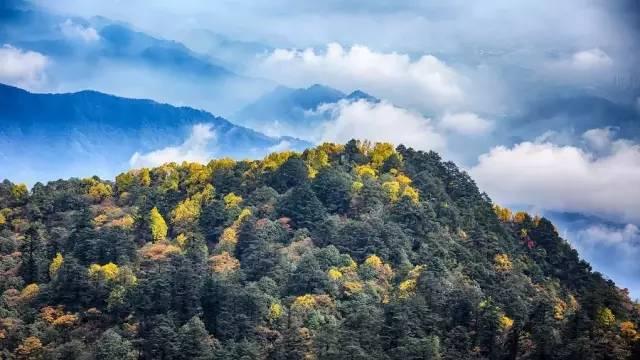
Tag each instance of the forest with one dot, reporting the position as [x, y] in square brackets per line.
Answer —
[354, 251]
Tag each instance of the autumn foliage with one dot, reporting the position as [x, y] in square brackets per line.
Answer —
[344, 251]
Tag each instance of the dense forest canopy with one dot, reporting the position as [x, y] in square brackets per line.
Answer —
[356, 251]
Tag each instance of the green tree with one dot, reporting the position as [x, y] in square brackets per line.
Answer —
[291, 173]
[333, 188]
[161, 341]
[303, 207]
[34, 262]
[112, 346]
[195, 342]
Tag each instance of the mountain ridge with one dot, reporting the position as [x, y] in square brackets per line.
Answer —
[110, 127]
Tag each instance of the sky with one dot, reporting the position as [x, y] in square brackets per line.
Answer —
[513, 92]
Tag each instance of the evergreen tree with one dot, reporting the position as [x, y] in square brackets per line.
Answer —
[33, 253]
[112, 346]
[291, 173]
[303, 207]
[195, 342]
[333, 189]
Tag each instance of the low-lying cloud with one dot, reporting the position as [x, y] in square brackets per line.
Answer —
[22, 68]
[465, 123]
[395, 76]
[590, 59]
[195, 148]
[566, 178]
[378, 122]
[73, 30]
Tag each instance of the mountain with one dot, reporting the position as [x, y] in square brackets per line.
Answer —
[54, 36]
[342, 252]
[114, 57]
[288, 111]
[232, 53]
[48, 136]
[575, 114]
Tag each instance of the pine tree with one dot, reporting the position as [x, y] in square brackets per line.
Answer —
[303, 207]
[195, 342]
[34, 260]
[112, 346]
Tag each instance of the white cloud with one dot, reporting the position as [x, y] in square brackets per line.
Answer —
[590, 59]
[465, 123]
[22, 68]
[600, 139]
[600, 234]
[378, 122]
[78, 31]
[586, 68]
[391, 75]
[281, 146]
[195, 148]
[565, 178]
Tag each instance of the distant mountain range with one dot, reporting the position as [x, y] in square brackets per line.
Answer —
[117, 52]
[47, 136]
[293, 111]
[573, 115]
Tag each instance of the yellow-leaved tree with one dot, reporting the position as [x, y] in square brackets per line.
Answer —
[19, 191]
[99, 191]
[157, 225]
[108, 271]
[232, 200]
[381, 152]
[502, 262]
[503, 213]
[605, 317]
[55, 265]
[186, 212]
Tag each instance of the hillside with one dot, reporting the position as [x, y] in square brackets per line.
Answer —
[50, 136]
[355, 251]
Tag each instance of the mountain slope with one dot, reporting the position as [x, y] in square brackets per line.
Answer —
[288, 111]
[47, 136]
[344, 251]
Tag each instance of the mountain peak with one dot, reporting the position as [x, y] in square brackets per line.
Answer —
[361, 95]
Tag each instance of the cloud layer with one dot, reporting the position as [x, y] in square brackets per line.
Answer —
[78, 31]
[566, 178]
[590, 59]
[22, 68]
[195, 148]
[378, 122]
[465, 123]
[394, 76]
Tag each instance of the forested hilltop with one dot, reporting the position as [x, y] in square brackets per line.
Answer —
[356, 251]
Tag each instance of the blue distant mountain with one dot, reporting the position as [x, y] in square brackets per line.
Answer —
[50, 136]
[117, 41]
[575, 114]
[289, 111]
[231, 53]
[162, 69]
